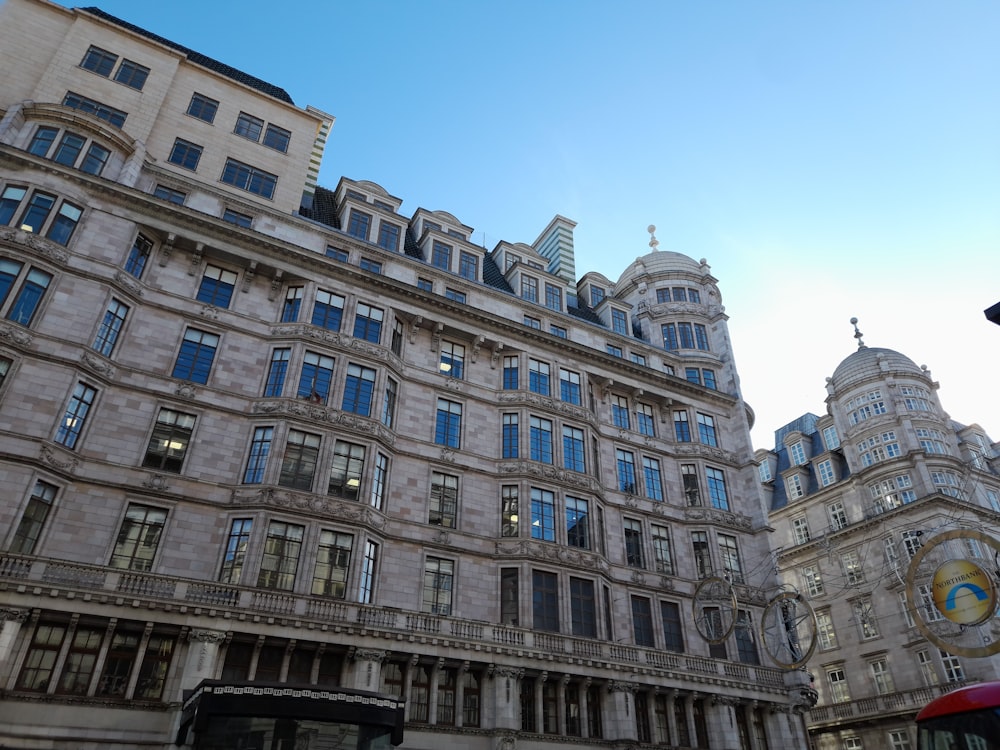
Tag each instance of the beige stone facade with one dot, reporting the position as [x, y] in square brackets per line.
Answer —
[854, 495]
[261, 438]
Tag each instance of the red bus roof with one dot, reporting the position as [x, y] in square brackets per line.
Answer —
[969, 698]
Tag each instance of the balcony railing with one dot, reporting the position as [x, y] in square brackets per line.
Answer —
[225, 600]
[902, 702]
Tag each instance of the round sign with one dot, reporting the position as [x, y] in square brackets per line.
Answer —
[963, 592]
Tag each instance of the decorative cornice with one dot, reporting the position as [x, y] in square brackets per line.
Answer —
[15, 334]
[207, 636]
[58, 460]
[329, 415]
[553, 553]
[550, 473]
[316, 504]
[715, 516]
[14, 614]
[527, 398]
[98, 364]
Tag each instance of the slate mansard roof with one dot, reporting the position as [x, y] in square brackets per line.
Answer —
[198, 58]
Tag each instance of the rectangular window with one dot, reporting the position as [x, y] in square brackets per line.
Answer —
[333, 561]
[706, 430]
[708, 378]
[682, 429]
[642, 622]
[538, 377]
[277, 138]
[553, 297]
[388, 237]
[693, 375]
[826, 474]
[652, 478]
[509, 598]
[853, 570]
[99, 61]
[797, 453]
[369, 566]
[248, 178]
[927, 671]
[280, 562]
[574, 457]
[29, 528]
[455, 296]
[10, 200]
[298, 465]
[838, 685]
[63, 226]
[439, 577]
[185, 154]
[380, 478]
[633, 544]
[197, 352]
[730, 555]
[509, 511]
[203, 107]
[545, 601]
[69, 149]
[292, 305]
[169, 194]
[444, 500]
[673, 634]
[169, 442]
[315, 378]
[102, 111]
[217, 285]
[717, 488]
[448, 428]
[583, 607]
[337, 253]
[529, 288]
[510, 440]
[826, 635]
[701, 337]
[532, 322]
[644, 420]
[746, 646]
[389, 402]
[800, 530]
[543, 515]
[425, 285]
[953, 670]
[359, 387]
[692, 490]
[347, 470]
[577, 522]
[702, 555]
[138, 538]
[662, 556]
[452, 360]
[620, 412]
[248, 126]
[441, 256]
[368, 323]
[619, 322]
[813, 580]
[625, 467]
[881, 677]
[837, 514]
[235, 555]
[75, 415]
[359, 224]
[276, 372]
[511, 380]
[29, 295]
[569, 387]
[235, 217]
[138, 255]
[864, 618]
[468, 266]
[260, 449]
[327, 310]
[132, 74]
[40, 661]
[540, 439]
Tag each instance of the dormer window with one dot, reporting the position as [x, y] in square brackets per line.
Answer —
[619, 322]
[441, 256]
[797, 453]
[358, 224]
[529, 288]
[509, 260]
[596, 296]
[388, 237]
[553, 297]
[468, 266]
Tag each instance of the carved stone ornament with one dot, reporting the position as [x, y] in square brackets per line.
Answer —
[156, 482]
[129, 283]
[14, 614]
[369, 654]
[207, 636]
[186, 390]
[98, 364]
[315, 504]
[15, 334]
[36, 243]
[58, 460]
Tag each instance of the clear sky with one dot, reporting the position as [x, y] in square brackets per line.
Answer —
[830, 160]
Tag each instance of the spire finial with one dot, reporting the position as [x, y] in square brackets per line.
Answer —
[653, 242]
[858, 334]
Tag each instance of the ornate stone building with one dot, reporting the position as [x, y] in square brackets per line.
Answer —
[264, 443]
[854, 496]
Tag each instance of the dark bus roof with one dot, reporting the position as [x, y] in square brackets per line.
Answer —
[969, 698]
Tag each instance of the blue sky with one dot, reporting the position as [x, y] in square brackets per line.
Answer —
[829, 160]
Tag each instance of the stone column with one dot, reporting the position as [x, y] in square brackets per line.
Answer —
[672, 737]
[620, 723]
[367, 672]
[506, 697]
[584, 709]
[12, 619]
[202, 659]
[432, 690]
[539, 703]
[460, 695]
[721, 719]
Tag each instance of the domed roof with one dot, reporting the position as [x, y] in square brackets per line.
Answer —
[872, 362]
[663, 262]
